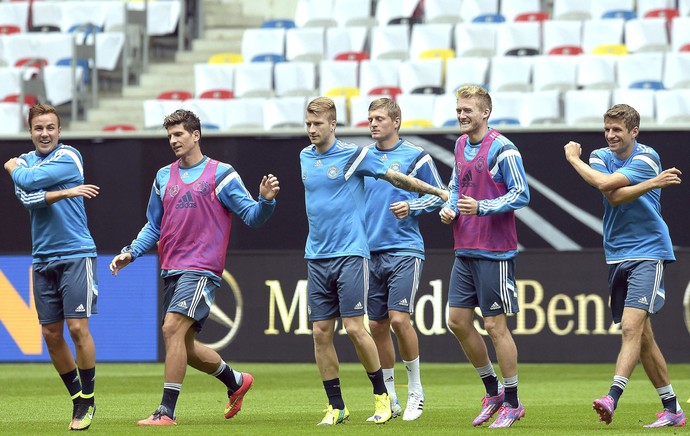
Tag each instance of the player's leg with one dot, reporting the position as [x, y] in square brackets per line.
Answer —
[352, 285]
[380, 327]
[462, 299]
[403, 283]
[323, 303]
[497, 294]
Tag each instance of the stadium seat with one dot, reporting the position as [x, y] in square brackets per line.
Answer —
[610, 49]
[213, 77]
[640, 70]
[680, 34]
[389, 10]
[226, 58]
[8, 29]
[390, 42]
[272, 58]
[596, 71]
[646, 34]
[475, 39]
[209, 126]
[532, 16]
[244, 113]
[508, 108]
[155, 110]
[438, 53]
[344, 91]
[554, 72]
[341, 40]
[14, 14]
[624, 9]
[341, 110]
[31, 62]
[562, 37]
[353, 13]
[480, 11]
[640, 99]
[304, 44]
[442, 11]
[391, 92]
[510, 73]
[314, 13]
[119, 128]
[597, 33]
[518, 38]
[511, 10]
[458, 73]
[427, 37]
[284, 112]
[359, 110]
[586, 106]
[29, 99]
[577, 10]
[219, 94]
[541, 107]
[378, 73]
[416, 76]
[281, 23]
[352, 56]
[444, 114]
[174, 95]
[673, 106]
[81, 63]
[295, 79]
[684, 8]
[416, 110]
[676, 67]
[258, 43]
[667, 13]
[338, 74]
[254, 79]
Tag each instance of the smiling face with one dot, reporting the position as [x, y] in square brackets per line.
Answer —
[45, 132]
[620, 139]
[473, 118]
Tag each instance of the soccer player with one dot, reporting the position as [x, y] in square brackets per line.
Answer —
[50, 184]
[189, 215]
[487, 185]
[397, 250]
[638, 246]
[337, 252]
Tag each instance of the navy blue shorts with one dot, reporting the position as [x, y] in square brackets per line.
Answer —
[636, 283]
[337, 287]
[190, 294]
[66, 288]
[393, 284]
[484, 283]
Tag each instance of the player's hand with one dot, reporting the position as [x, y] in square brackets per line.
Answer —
[668, 177]
[401, 209]
[120, 261]
[269, 187]
[467, 205]
[88, 191]
[447, 215]
[11, 164]
[573, 150]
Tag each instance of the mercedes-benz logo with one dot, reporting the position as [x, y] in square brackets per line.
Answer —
[226, 321]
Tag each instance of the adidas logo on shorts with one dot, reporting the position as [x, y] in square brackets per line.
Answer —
[404, 302]
[495, 306]
[358, 306]
[80, 308]
[182, 304]
[643, 300]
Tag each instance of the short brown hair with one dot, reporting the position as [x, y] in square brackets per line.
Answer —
[475, 91]
[42, 109]
[322, 105]
[387, 104]
[188, 119]
[629, 115]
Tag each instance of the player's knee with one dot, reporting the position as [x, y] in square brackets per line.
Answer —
[400, 323]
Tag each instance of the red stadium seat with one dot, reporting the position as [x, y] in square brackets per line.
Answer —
[32, 62]
[119, 128]
[532, 16]
[685, 47]
[352, 56]
[174, 95]
[7, 29]
[217, 93]
[387, 91]
[566, 50]
[662, 13]
[29, 99]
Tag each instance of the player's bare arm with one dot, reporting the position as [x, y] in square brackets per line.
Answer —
[666, 178]
[120, 261]
[411, 184]
[603, 182]
[87, 191]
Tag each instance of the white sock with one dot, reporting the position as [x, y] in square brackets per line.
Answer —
[389, 380]
[414, 379]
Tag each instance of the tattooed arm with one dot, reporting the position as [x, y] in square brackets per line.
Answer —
[413, 184]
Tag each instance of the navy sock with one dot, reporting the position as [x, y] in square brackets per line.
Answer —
[377, 382]
[72, 382]
[491, 385]
[88, 380]
[335, 396]
[171, 391]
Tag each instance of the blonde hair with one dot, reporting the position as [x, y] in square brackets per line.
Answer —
[475, 91]
[390, 106]
[629, 115]
[323, 105]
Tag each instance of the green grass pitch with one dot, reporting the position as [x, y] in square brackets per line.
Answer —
[287, 399]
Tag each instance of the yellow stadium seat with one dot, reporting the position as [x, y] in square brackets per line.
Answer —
[226, 58]
[416, 123]
[344, 91]
[437, 53]
[610, 49]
